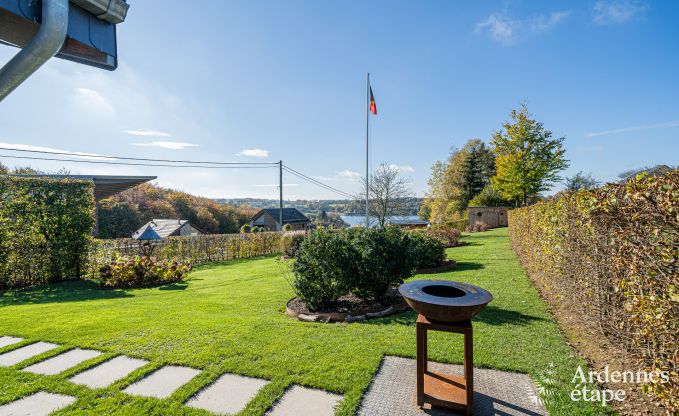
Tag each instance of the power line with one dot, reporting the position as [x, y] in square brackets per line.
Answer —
[136, 158]
[100, 162]
[317, 182]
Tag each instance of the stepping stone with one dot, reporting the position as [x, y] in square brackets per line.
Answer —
[394, 391]
[39, 404]
[304, 401]
[108, 372]
[24, 353]
[5, 341]
[63, 362]
[229, 394]
[162, 383]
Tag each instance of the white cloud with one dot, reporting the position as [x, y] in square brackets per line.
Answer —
[275, 185]
[504, 29]
[92, 101]
[402, 169]
[349, 174]
[258, 153]
[48, 150]
[610, 12]
[666, 125]
[167, 145]
[147, 132]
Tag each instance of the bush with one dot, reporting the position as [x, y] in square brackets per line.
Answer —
[386, 259]
[245, 228]
[612, 253]
[478, 226]
[45, 227]
[323, 262]
[450, 237]
[287, 227]
[142, 271]
[428, 250]
[290, 243]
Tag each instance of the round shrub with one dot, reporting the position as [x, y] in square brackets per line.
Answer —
[287, 227]
[142, 271]
[323, 262]
[245, 228]
[428, 251]
[385, 259]
[477, 227]
[450, 237]
[290, 243]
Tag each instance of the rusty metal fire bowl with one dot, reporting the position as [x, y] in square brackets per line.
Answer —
[444, 300]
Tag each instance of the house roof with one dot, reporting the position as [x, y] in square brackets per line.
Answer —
[158, 228]
[104, 185]
[290, 215]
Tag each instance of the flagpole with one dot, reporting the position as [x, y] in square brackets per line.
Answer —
[367, 150]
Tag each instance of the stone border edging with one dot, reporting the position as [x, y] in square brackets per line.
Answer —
[334, 317]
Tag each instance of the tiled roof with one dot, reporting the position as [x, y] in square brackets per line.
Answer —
[290, 215]
[158, 228]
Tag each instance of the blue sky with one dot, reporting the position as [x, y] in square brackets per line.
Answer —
[264, 81]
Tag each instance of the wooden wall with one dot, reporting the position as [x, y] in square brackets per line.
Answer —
[493, 216]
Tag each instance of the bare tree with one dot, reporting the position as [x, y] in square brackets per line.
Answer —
[389, 194]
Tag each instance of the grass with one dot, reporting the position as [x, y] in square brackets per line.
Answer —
[230, 318]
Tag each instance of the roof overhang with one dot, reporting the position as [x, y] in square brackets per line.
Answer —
[104, 185]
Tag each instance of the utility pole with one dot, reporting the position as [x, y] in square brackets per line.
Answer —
[280, 188]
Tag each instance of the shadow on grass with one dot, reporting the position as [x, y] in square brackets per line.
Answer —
[74, 291]
[218, 264]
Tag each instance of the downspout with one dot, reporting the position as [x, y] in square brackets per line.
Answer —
[43, 46]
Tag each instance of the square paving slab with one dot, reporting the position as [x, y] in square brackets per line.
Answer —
[24, 353]
[108, 372]
[302, 401]
[38, 404]
[163, 382]
[229, 394]
[63, 362]
[5, 341]
[393, 392]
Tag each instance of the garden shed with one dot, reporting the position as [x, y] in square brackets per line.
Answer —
[493, 216]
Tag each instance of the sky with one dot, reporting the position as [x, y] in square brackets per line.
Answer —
[263, 81]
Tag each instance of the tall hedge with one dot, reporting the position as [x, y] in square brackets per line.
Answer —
[45, 227]
[612, 256]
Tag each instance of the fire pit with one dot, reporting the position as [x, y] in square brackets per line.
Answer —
[445, 306]
[445, 301]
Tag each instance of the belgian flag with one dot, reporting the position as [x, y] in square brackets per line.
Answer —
[373, 106]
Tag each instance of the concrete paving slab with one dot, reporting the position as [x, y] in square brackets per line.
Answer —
[24, 353]
[229, 394]
[63, 362]
[163, 382]
[108, 372]
[302, 401]
[5, 341]
[38, 404]
[393, 392]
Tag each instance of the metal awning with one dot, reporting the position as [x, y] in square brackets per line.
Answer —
[104, 185]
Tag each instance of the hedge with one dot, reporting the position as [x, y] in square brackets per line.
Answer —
[196, 250]
[613, 255]
[45, 227]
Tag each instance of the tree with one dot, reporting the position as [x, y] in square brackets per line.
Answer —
[454, 183]
[489, 197]
[527, 159]
[581, 181]
[389, 194]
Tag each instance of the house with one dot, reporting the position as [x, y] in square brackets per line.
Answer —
[269, 219]
[493, 216]
[157, 229]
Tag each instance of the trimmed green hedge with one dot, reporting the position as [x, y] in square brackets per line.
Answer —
[611, 256]
[45, 227]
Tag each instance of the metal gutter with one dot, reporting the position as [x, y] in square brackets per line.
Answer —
[43, 46]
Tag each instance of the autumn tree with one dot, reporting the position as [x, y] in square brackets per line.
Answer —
[527, 159]
[580, 181]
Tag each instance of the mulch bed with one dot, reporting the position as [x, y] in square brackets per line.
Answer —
[348, 309]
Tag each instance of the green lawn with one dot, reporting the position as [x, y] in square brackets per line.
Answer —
[230, 318]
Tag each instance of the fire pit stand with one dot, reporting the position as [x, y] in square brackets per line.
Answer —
[454, 392]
